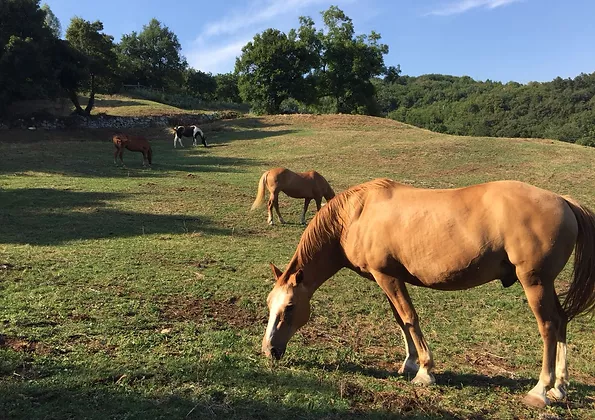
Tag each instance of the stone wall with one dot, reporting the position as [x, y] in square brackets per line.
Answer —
[114, 122]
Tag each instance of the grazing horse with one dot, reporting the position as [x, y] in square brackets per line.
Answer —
[134, 144]
[189, 131]
[307, 185]
[449, 239]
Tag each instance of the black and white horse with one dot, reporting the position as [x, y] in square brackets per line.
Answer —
[189, 131]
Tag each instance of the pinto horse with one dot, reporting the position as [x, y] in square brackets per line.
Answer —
[449, 239]
[307, 185]
[134, 144]
[189, 131]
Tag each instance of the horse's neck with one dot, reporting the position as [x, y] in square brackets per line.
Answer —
[321, 266]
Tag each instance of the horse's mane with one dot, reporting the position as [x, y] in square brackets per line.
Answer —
[328, 224]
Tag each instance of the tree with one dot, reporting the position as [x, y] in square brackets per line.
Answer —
[200, 84]
[51, 21]
[98, 48]
[227, 88]
[271, 69]
[152, 57]
[26, 44]
[349, 62]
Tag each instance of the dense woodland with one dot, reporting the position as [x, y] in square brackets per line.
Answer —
[308, 69]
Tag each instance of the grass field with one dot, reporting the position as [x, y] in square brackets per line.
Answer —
[130, 293]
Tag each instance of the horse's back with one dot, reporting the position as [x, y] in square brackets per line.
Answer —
[458, 238]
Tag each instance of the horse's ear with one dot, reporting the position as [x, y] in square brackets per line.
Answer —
[299, 277]
[276, 272]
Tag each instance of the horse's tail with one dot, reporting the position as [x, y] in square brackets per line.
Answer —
[260, 194]
[580, 297]
[150, 155]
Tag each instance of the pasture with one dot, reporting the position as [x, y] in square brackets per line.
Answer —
[133, 293]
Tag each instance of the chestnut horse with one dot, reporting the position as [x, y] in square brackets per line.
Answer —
[307, 185]
[189, 131]
[134, 144]
[450, 239]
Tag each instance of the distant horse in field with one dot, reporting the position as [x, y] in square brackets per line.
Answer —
[307, 185]
[449, 239]
[189, 131]
[134, 144]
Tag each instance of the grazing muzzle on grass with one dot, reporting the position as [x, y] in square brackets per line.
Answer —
[289, 309]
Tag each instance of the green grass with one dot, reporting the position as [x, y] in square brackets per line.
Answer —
[130, 293]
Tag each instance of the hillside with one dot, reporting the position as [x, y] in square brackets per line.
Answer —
[137, 293]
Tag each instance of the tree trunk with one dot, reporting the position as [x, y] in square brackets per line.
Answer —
[75, 100]
[91, 96]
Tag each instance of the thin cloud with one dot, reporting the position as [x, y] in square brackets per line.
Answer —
[254, 15]
[221, 41]
[216, 59]
[466, 5]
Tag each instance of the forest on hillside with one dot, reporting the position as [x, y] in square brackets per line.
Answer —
[562, 109]
[309, 69]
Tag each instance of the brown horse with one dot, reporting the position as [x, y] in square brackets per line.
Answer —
[453, 239]
[134, 144]
[307, 185]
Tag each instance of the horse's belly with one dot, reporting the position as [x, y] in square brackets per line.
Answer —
[470, 275]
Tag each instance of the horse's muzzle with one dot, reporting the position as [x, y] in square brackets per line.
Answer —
[275, 353]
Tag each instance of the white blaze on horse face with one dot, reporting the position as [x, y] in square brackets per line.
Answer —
[278, 300]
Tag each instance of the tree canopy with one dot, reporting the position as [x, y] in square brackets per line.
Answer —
[309, 64]
[152, 57]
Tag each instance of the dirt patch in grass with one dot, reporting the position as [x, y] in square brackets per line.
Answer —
[488, 364]
[23, 345]
[223, 313]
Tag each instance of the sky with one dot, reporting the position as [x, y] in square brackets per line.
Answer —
[500, 40]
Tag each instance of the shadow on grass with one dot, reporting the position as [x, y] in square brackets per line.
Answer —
[216, 389]
[91, 154]
[43, 216]
[112, 103]
[446, 378]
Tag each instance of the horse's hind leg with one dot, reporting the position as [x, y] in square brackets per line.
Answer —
[306, 204]
[541, 297]
[558, 392]
[270, 219]
[399, 296]
[120, 154]
[275, 204]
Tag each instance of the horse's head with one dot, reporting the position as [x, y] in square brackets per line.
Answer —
[289, 309]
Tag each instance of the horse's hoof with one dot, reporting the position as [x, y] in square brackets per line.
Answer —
[557, 394]
[271, 223]
[408, 368]
[423, 378]
[536, 401]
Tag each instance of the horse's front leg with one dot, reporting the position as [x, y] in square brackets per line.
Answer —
[399, 297]
[409, 365]
[306, 204]
[116, 156]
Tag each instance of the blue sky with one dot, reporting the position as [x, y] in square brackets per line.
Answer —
[503, 40]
